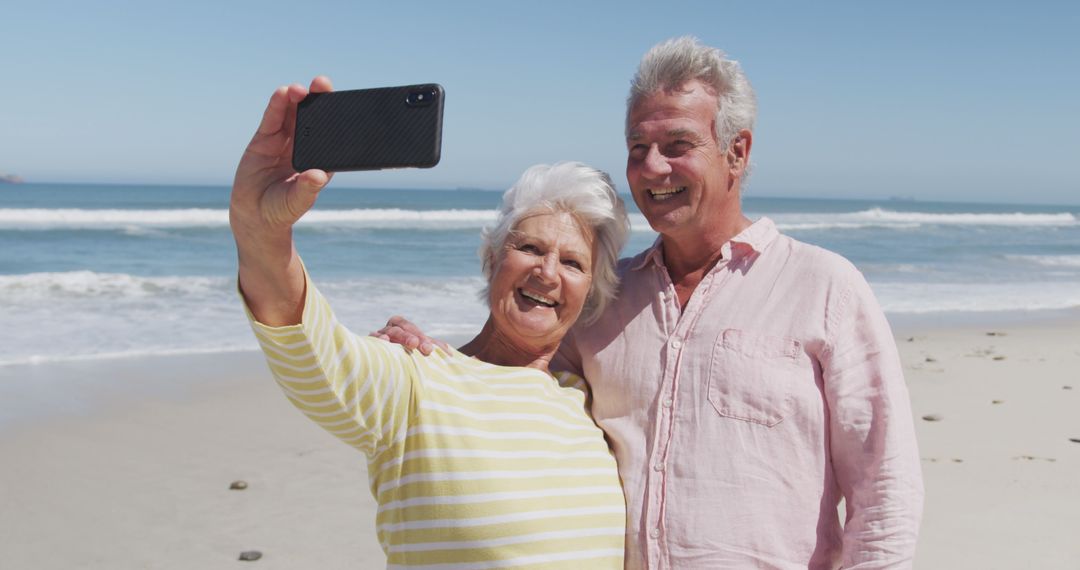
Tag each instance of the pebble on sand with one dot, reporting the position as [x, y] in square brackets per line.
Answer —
[1074, 439]
[997, 401]
[933, 417]
[999, 357]
[995, 333]
[238, 485]
[250, 555]
[931, 359]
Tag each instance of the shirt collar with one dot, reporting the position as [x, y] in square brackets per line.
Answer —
[754, 238]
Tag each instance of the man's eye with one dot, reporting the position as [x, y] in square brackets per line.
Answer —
[679, 147]
[639, 152]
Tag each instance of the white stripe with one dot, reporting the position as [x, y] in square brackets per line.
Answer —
[380, 450]
[579, 555]
[272, 346]
[573, 410]
[504, 496]
[508, 540]
[287, 346]
[502, 435]
[285, 381]
[284, 332]
[546, 385]
[489, 475]
[499, 519]
[506, 416]
[492, 454]
[282, 364]
[309, 404]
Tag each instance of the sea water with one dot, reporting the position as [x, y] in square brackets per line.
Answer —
[93, 271]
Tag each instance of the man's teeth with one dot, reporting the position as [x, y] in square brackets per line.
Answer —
[538, 298]
[665, 193]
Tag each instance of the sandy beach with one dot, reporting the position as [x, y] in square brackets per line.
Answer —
[127, 463]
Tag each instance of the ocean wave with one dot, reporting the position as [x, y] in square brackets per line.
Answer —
[924, 298]
[1048, 260]
[133, 221]
[37, 359]
[88, 315]
[94, 285]
[881, 218]
[811, 226]
[130, 220]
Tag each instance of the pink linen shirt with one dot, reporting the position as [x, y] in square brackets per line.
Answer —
[740, 422]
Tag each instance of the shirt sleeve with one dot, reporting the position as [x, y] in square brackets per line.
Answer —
[358, 388]
[873, 446]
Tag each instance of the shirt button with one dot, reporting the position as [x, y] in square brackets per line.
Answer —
[655, 533]
[668, 402]
[676, 344]
[658, 467]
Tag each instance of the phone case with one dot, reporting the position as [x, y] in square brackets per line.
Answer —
[370, 129]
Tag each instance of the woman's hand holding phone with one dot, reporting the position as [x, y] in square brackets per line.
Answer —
[268, 197]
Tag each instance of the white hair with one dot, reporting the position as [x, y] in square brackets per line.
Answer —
[672, 63]
[583, 192]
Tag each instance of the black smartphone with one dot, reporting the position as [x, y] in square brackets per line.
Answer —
[370, 129]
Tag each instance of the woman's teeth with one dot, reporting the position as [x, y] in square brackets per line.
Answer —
[538, 298]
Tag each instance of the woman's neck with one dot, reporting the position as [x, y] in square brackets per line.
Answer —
[493, 347]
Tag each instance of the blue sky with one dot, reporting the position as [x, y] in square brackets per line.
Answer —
[959, 101]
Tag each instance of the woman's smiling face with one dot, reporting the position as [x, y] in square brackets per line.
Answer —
[540, 285]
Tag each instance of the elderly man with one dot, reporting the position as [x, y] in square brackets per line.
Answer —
[746, 381]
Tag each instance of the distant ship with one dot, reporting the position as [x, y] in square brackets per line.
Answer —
[10, 179]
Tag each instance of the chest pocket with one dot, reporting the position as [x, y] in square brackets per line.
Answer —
[750, 376]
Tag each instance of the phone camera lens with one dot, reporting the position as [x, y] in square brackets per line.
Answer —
[420, 98]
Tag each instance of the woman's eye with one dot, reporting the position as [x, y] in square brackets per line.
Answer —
[572, 263]
[529, 248]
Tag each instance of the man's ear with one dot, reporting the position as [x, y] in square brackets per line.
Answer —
[738, 153]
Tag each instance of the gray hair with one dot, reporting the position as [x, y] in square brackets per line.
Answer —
[581, 191]
[672, 63]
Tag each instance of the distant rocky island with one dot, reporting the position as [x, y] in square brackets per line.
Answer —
[10, 179]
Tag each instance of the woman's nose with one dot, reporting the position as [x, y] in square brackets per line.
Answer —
[547, 267]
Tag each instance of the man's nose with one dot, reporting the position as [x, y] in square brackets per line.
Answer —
[656, 164]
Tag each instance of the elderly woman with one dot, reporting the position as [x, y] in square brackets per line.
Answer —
[478, 457]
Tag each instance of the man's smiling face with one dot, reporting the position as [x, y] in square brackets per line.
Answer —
[678, 174]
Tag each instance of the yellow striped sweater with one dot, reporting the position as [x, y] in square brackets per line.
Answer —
[473, 465]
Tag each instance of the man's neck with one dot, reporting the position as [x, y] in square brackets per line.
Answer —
[689, 258]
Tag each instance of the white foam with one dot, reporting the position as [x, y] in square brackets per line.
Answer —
[90, 284]
[881, 218]
[82, 315]
[1048, 260]
[132, 220]
[87, 315]
[923, 298]
[71, 218]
